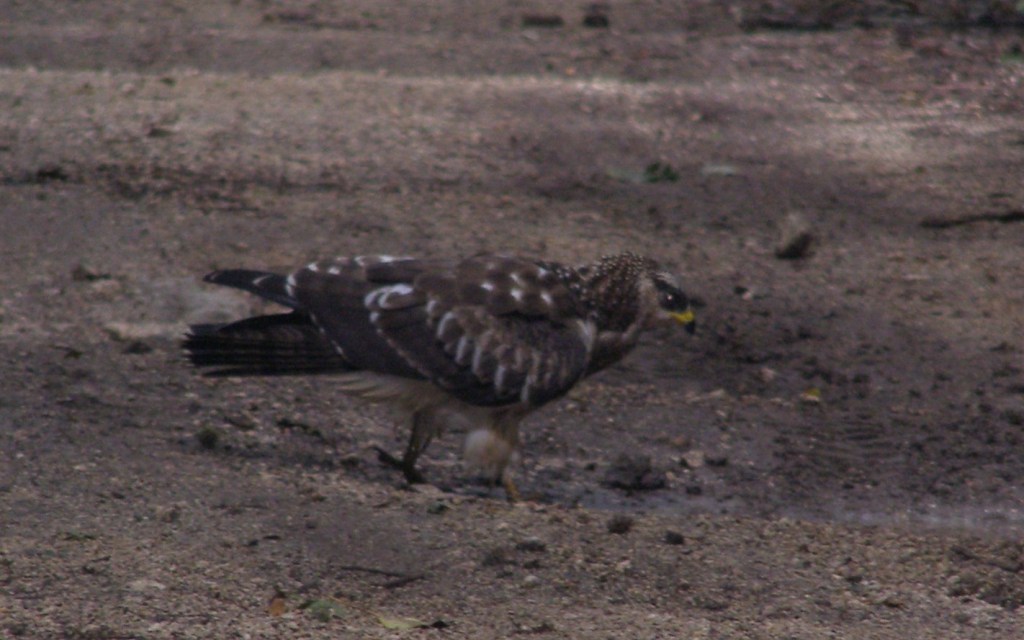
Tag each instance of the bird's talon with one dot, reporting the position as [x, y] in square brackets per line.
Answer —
[511, 491]
[386, 458]
[412, 476]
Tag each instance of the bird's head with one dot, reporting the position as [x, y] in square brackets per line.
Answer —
[673, 305]
[629, 291]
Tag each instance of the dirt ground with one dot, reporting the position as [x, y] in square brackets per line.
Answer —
[838, 451]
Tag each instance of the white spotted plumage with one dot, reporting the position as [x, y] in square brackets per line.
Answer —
[389, 294]
[446, 322]
[462, 350]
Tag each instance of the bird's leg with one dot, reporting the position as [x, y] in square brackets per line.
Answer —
[417, 444]
[492, 449]
[411, 475]
[511, 491]
[509, 429]
[421, 436]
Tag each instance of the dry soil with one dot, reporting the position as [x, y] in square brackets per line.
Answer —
[837, 452]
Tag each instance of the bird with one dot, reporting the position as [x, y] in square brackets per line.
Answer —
[477, 342]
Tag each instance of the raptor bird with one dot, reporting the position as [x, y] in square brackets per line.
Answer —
[477, 342]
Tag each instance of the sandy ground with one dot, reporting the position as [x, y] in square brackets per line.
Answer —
[837, 452]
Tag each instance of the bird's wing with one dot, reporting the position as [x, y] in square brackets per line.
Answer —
[263, 283]
[489, 330]
[334, 294]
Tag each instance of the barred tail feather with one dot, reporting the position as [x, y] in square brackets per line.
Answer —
[284, 344]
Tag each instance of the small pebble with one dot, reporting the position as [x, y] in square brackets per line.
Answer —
[795, 239]
[207, 437]
[693, 459]
[495, 557]
[596, 16]
[620, 524]
[137, 347]
[533, 544]
[169, 514]
[84, 273]
[634, 473]
[543, 20]
[144, 584]
[716, 460]
[437, 507]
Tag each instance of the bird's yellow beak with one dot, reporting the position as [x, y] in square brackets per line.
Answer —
[687, 319]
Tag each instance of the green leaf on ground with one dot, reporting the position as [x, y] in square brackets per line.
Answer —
[324, 610]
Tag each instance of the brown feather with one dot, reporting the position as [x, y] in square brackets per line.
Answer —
[484, 339]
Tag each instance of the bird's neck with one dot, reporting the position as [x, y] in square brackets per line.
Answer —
[612, 289]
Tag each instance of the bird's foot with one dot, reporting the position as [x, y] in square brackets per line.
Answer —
[412, 476]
